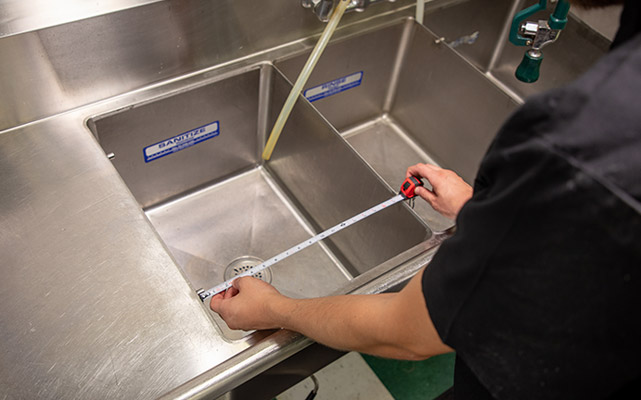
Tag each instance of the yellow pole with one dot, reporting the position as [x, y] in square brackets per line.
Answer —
[302, 78]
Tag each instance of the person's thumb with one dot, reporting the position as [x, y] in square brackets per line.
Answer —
[215, 303]
[425, 194]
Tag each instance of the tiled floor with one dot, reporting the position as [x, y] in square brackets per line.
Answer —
[364, 377]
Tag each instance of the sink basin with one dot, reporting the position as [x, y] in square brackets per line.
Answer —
[377, 102]
[400, 96]
[191, 158]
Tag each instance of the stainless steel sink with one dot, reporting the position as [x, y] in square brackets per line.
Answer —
[400, 96]
[378, 102]
[192, 160]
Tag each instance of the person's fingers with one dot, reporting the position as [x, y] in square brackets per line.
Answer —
[415, 170]
[410, 170]
[431, 167]
[215, 302]
[231, 292]
[425, 194]
[218, 295]
[426, 171]
[420, 191]
[240, 282]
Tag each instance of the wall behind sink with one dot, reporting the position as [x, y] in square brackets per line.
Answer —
[47, 69]
[53, 60]
[586, 38]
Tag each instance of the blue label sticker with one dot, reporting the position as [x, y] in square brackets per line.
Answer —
[336, 86]
[180, 142]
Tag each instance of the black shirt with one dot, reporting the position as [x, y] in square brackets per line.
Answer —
[539, 290]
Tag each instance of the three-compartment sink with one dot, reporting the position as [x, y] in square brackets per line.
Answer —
[379, 101]
[192, 160]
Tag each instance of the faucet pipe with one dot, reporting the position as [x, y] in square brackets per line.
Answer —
[324, 8]
[337, 14]
[420, 10]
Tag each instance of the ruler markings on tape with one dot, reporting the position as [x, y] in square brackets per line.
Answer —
[293, 250]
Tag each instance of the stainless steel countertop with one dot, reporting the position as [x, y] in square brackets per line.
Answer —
[92, 305]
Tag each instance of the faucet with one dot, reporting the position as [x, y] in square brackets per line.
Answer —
[323, 8]
[536, 35]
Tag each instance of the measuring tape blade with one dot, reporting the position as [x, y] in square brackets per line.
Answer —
[266, 264]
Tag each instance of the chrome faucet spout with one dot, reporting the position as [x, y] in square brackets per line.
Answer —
[323, 8]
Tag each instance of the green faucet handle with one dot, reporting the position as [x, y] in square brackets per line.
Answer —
[559, 18]
[528, 70]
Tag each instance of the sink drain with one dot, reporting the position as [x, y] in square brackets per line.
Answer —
[242, 264]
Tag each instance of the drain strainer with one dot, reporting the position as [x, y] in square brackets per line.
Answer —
[242, 264]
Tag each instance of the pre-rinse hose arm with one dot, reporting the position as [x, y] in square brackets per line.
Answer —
[302, 78]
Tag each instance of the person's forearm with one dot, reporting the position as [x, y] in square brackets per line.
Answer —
[360, 323]
[396, 325]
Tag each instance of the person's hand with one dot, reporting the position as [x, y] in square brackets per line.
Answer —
[449, 191]
[246, 304]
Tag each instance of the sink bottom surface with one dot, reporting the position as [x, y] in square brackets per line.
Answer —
[390, 150]
[244, 216]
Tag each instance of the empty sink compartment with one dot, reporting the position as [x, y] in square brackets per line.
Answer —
[400, 96]
[192, 160]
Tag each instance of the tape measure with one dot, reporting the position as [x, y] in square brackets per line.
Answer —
[406, 192]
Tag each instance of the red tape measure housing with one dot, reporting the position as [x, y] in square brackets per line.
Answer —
[409, 185]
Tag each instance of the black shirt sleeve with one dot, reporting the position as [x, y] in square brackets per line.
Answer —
[539, 289]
